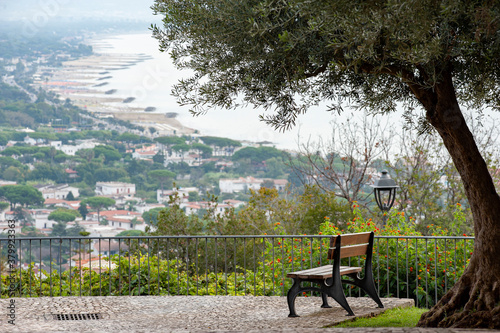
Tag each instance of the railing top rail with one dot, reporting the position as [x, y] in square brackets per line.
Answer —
[428, 237]
[227, 237]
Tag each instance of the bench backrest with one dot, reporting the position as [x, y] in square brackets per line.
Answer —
[350, 245]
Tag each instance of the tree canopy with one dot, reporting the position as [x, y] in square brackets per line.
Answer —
[220, 142]
[428, 57]
[63, 215]
[257, 155]
[268, 51]
[205, 150]
[98, 203]
[170, 140]
[21, 194]
[161, 176]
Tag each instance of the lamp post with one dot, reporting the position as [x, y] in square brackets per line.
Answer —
[384, 190]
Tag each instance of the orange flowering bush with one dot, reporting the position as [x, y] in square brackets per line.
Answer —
[405, 263]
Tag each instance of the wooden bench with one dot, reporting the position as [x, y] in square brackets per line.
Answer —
[328, 277]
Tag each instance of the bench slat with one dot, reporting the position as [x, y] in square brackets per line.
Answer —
[322, 272]
[316, 270]
[349, 251]
[351, 239]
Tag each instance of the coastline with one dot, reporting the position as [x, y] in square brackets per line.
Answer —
[88, 83]
[130, 65]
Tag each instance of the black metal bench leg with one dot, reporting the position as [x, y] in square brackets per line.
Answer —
[325, 304]
[337, 293]
[368, 285]
[291, 295]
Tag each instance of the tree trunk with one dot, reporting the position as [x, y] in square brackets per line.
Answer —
[474, 301]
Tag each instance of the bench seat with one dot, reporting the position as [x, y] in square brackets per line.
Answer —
[323, 272]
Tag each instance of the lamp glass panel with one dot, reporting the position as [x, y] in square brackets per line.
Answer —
[384, 196]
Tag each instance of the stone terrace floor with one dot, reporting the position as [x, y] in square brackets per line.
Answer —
[193, 314]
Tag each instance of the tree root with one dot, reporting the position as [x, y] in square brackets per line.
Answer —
[473, 302]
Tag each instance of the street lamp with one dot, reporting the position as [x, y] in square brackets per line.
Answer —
[384, 190]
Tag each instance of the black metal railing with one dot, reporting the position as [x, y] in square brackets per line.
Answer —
[423, 268]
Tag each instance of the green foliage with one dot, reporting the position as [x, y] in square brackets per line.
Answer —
[83, 210]
[205, 150]
[258, 155]
[47, 171]
[70, 196]
[352, 51]
[98, 203]
[220, 142]
[12, 94]
[151, 217]
[162, 176]
[109, 174]
[170, 140]
[63, 215]
[129, 137]
[12, 173]
[429, 184]
[425, 267]
[181, 147]
[6, 162]
[127, 233]
[137, 275]
[110, 154]
[296, 214]
[21, 194]
[3, 205]
[61, 229]
[159, 158]
[17, 109]
[194, 196]
[173, 221]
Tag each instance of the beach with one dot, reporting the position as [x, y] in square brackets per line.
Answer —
[128, 78]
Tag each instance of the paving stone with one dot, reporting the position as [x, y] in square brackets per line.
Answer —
[195, 314]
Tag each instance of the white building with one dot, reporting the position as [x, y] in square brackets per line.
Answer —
[60, 191]
[42, 221]
[195, 207]
[234, 203]
[30, 141]
[239, 185]
[120, 219]
[244, 184]
[144, 207]
[72, 149]
[192, 158]
[145, 153]
[7, 182]
[115, 189]
[182, 193]
[5, 226]
[75, 204]
[56, 144]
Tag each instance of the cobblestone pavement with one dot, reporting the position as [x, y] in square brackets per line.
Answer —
[193, 314]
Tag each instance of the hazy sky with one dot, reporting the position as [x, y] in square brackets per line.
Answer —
[110, 9]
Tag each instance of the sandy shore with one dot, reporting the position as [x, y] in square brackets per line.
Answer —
[85, 82]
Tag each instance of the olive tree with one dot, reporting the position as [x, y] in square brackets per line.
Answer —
[429, 57]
